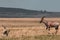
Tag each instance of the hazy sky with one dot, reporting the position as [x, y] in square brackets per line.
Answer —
[49, 5]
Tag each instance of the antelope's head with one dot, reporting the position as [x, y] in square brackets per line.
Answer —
[42, 19]
[3, 26]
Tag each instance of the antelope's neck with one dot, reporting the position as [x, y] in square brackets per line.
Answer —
[45, 22]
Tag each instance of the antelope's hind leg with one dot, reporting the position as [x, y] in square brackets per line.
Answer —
[56, 28]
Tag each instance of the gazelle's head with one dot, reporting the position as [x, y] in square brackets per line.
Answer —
[42, 19]
[3, 26]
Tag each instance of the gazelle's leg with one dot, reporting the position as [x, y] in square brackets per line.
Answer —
[48, 30]
[56, 31]
[6, 34]
[46, 27]
[56, 28]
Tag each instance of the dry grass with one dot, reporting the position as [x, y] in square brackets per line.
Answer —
[28, 27]
[39, 37]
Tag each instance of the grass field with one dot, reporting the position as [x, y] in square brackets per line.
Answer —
[40, 37]
[27, 29]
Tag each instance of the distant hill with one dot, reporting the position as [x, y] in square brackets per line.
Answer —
[17, 10]
[25, 13]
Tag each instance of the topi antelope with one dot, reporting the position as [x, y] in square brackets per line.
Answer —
[50, 24]
[6, 32]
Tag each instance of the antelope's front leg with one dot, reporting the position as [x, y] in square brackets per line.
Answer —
[48, 30]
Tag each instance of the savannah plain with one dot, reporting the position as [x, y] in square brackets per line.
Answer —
[27, 29]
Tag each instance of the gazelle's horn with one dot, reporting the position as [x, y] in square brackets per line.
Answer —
[42, 19]
[43, 16]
